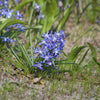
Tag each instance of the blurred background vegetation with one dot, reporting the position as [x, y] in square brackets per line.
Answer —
[80, 19]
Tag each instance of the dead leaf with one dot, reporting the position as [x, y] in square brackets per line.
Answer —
[35, 80]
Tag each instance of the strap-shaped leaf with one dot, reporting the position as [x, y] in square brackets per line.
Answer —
[83, 56]
[9, 22]
[21, 5]
[72, 56]
[93, 50]
[50, 11]
[95, 60]
[34, 27]
[16, 56]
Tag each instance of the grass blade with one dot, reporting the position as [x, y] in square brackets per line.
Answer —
[84, 33]
[83, 57]
[24, 52]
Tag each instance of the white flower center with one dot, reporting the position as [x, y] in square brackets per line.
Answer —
[39, 65]
[46, 35]
[43, 42]
[54, 39]
[62, 40]
[46, 57]
[56, 51]
[50, 63]
[6, 2]
[58, 34]
[40, 52]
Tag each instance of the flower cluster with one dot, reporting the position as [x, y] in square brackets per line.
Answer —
[40, 16]
[7, 40]
[8, 14]
[51, 47]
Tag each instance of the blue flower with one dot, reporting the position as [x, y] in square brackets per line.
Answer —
[57, 34]
[54, 38]
[38, 50]
[9, 14]
[56, 52]
[5, 3]
[62, 33]
[47, 57]
[60, 4]
[19, 16]
[38, 65]
[0, 3]
[22, 29]
[40, 16]
[68, 5]
[45, 49]
[49, 64]
[7, 40]
[37, 7]
[44, 42]
[3, 12]
[16, 1]
[46, 35]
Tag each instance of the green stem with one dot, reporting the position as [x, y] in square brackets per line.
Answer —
[80, 6]
[30, 35]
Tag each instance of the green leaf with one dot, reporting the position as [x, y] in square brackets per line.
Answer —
[64, 53]
[9, 22]
[95, 60]
[16, 56]
[19, 65]
[72, 56]
[83, 56]
[28, 43]
[33, 27]
[24, 53]
[21, 5]
[93, 51]
[97, 9]
[50, 11]
[12, 33]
